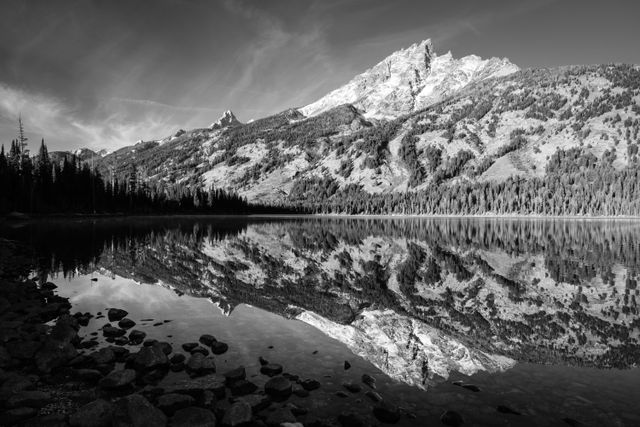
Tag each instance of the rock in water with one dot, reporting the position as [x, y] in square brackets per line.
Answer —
[150, 358]
[136, 411]
[238, 414]
[278, 387]
[193, 417]
[116, 314]
[387, 412]
[451, 418]
[98, 413]
[118, 379]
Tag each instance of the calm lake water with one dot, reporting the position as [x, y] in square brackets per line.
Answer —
[540, 315]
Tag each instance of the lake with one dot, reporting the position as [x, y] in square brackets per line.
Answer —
[538, 317]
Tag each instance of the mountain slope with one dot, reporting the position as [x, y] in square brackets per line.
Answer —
[545, 124]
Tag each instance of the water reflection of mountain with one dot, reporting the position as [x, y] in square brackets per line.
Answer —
[421, 297]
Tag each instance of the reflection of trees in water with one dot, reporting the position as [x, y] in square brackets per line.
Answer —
[431, 252]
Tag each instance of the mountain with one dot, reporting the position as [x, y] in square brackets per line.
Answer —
[228, 119]
[409, 80]
[421, 133]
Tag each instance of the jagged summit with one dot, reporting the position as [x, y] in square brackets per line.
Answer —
[410, 79]
[227, 119]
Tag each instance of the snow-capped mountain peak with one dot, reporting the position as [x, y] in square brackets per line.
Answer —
[410, 79]
[227, 119]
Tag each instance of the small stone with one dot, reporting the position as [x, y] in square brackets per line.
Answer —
[193, 417]
[369, 380]
[299, 391]
[219, 347]
[280, 416]
[200, 349]
[29, 398]
[242, 388]
[278, 386]
[189, 346]
[347, 365]
[115, 314]
[88, 375]
[136, 337]
[238, 414]
[136, 411]
[236, 374]
[263, 361]
[257, 402]
[375, 397]
[350, 419]
[149, 342]
[98, 413]
[177, 358]
[165, 347]
[170, 403]
[150, 358]
[310, 385]
[451, 418]
[472, 387]
[126, 323]
[207, 339]
[118, 379]
[121, 341]
[506, 410]
[271, 369]
[112, 332]
[198, 364]
[352, 387]
[103, 356]
[387, 412]
[341, 394]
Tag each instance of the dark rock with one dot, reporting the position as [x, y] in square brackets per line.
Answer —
[121, 353]
[242, 388]
[98, 413]
[280, 416]
[310, 385]
[238, 414]
[89, 344]
[88, 375]
[347, 365]
[126, 323]
[291, 377]
[149, 342]
[112, 332]
[352, 387]
[236, 374]
[387, 412]
[136, 411]
[207, 339]
[29, 398]
[118, 379]
[170, 403]
[506, 410]
[136, 337]
[165, 347]
[278, 386]
[54, 354]
[451, 418]
[219, 347]
[189, 346]
[115, 314]
[263, 361]
[193, 417]
[103, 356]
[350, 419]
[177, 367]
[297, 410]
[155, 375]
[471, 387]
[271, 369]
[195, 387]
[177, 358]
[341, 394]
[48, 286]
[369, 380]
[121, 341]
[201, 350]
[150, 358]
[375, 397]
[258, 402]
[16, 415]
[299, 391]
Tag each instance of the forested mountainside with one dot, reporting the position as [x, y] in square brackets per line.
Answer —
[466, 296]
[487, 139]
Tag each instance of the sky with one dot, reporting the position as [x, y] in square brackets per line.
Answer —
[105, 74]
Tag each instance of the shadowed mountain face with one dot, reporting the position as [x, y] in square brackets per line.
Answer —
[418, 298]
